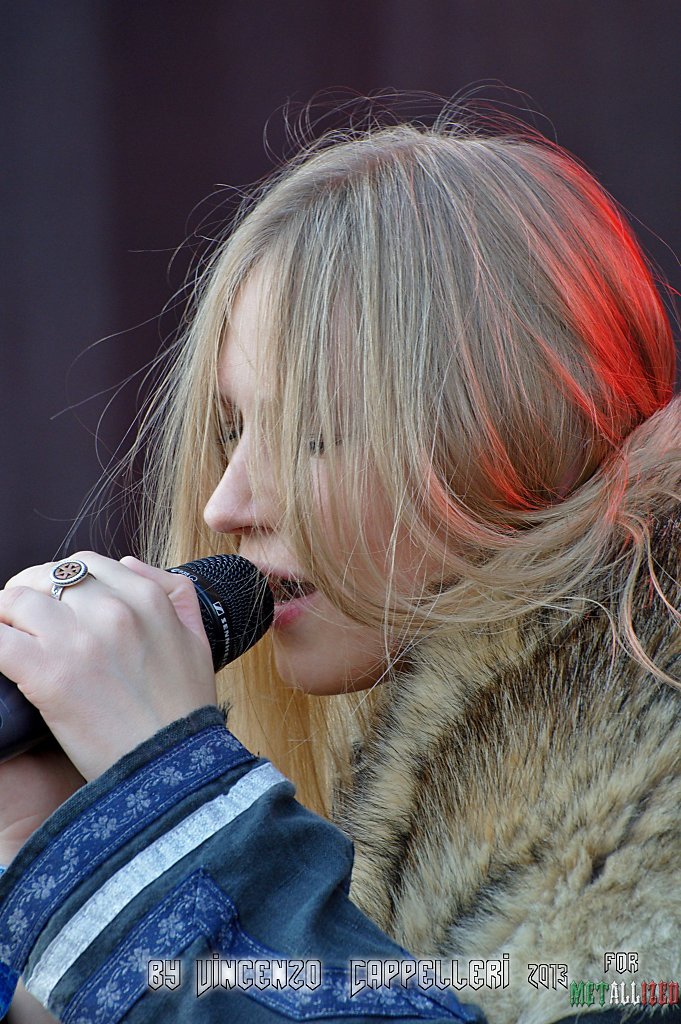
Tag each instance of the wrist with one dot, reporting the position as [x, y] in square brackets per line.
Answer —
[7, 855]
[26, 1010]
[11, 842]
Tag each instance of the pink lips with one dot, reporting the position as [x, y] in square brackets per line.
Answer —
[289, 610]
[286, 613]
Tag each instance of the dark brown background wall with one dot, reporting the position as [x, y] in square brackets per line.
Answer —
[120, 118]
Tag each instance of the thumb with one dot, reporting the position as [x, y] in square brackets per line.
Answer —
[179, 590]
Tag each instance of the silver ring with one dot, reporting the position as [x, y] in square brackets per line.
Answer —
[66, 574]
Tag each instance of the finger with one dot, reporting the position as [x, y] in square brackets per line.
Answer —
[30, 611]
[38, 577]
[175, 585]
[168, 581]
[18, 650]
[101, 570]
[138, 585]
[143, 588]
[121, 577]
[178, 588]
[27, 577]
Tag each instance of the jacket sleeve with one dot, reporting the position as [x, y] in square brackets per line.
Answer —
[186, 861]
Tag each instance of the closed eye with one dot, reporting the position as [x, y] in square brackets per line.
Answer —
[317, 445]
[231, 427]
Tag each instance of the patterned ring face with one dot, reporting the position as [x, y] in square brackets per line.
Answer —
[68, 572]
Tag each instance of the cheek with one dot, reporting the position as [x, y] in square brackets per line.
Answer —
[368, 560]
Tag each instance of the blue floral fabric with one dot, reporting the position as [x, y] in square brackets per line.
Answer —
[190, 848]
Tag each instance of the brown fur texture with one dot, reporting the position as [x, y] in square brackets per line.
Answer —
[520, 793]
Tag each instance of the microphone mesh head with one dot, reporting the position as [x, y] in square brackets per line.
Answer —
[244, 595]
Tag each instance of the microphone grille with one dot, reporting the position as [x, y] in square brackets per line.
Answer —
[244, 594]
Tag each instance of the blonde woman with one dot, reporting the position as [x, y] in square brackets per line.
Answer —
[427, 389]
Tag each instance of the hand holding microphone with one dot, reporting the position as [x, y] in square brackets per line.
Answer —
[130, 650]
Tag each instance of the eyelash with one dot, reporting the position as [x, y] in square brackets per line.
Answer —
[232, 433]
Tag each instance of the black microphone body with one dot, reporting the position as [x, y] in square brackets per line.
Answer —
[237, 608]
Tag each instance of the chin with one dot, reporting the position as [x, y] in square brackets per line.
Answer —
[319, 675]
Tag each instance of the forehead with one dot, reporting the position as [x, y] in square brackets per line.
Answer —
[240, 364]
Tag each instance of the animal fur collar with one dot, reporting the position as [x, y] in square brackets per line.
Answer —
[520, 793]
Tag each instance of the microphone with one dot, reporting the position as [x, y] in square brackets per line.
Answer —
[237, 609]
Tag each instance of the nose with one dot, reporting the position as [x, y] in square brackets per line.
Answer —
[232, 507]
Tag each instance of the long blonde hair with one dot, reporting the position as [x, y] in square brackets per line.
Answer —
[463, 320]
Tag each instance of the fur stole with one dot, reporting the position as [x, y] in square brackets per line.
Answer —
[520, 793]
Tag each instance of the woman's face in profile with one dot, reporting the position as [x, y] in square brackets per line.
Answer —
[317, 648]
